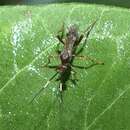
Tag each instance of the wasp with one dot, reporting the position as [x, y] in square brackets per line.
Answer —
[70, 41]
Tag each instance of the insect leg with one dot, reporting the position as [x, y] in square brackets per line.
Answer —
[85, 67]
[89, 29]
[89, 58]
[52, 66]
[80, 39]
[60, 37]
[57, 49]
[43, 87]
[48, 62]
[86, 34]
[73, 76]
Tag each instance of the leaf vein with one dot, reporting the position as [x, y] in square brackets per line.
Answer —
[24, 68]
[108, 108]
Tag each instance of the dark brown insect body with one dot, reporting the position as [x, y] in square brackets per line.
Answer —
[66, 56]
[70, 42]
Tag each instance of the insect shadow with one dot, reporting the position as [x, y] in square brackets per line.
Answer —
[66, 69]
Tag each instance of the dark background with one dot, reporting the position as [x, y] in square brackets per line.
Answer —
[120, 3]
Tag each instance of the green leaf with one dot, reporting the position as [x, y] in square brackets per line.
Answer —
[101, 98]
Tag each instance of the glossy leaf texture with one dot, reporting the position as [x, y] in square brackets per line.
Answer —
[101, 98]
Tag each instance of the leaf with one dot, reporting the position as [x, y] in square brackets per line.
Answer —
[99, 101]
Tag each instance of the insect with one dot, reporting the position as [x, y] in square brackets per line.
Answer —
[70, 42]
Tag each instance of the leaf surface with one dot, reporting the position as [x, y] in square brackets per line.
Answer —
[99, 101]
